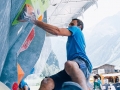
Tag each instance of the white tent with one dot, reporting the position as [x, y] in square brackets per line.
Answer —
[61, 12]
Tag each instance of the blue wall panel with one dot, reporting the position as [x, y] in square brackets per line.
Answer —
[12, 38]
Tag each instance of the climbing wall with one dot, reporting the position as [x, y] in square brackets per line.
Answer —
[20, 46]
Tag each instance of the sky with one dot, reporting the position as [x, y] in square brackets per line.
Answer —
[94, 14]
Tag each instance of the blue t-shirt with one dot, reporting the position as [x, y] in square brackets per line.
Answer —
[99, 81]
[23, 84]
[76, 46]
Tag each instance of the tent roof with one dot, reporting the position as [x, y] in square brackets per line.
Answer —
[61, 12]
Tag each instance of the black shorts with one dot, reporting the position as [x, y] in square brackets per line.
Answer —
[62, 76]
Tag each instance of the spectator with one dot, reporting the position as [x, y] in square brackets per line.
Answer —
[97, 85]
[99, 78]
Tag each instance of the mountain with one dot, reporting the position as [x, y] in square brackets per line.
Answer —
[52, 65]
[103, 42]
[52, 59]
[59, 48]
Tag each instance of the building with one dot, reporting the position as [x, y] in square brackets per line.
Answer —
[104, 69]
